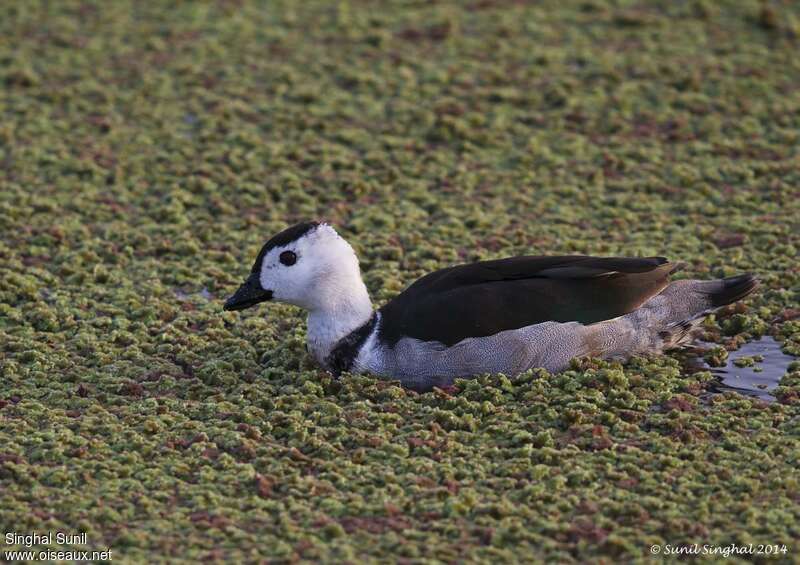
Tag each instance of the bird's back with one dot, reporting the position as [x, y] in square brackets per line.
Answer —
[485, 298]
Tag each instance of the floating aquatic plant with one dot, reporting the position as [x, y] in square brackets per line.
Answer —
[149, 149]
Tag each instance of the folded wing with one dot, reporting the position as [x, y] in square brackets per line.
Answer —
[480, 299]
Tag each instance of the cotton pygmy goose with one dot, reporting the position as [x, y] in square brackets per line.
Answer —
[502, 316]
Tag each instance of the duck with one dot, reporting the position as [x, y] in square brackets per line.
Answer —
[497, 316]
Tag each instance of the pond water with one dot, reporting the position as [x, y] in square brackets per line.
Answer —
[759, 379]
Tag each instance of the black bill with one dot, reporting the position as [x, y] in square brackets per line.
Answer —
[249, 294]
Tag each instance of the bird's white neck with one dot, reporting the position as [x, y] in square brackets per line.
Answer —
[338, 315]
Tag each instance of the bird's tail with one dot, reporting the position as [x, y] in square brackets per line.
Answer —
[667, 320]
[731, 289]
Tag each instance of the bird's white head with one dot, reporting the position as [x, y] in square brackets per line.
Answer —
[307, 265]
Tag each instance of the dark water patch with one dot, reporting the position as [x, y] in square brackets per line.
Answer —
[755, 369]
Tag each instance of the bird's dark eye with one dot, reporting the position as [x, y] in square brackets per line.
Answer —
[288, 258]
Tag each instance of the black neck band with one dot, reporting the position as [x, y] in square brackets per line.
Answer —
[344, 353]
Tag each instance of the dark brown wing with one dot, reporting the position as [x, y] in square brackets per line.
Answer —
[484, 298]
